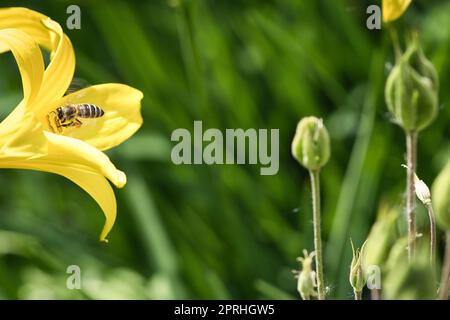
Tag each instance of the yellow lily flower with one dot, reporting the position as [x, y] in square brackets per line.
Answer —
[393, 9]
[27, 141]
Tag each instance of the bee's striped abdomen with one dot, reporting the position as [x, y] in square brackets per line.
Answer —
[87, 110]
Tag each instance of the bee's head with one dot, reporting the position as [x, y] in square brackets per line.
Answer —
[59, 112]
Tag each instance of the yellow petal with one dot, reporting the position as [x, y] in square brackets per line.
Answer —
[59, 73]
[72, 152]
[393, 9]
[26, 146]
[122, 118]
[28, 142]
[21, 141]
[29, 60]
[48, 34]
[28, 21]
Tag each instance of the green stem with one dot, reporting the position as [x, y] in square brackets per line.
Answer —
[432, 234]
[315, 191]
[395, 43]
[445, 277]
[358, 295]
[411, 144]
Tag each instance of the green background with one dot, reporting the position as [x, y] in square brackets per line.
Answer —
[224, 231]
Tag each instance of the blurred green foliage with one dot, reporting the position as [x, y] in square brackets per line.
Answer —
[220, 231]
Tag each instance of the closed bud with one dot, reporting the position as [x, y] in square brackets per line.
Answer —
[306, 283]
[412, 89]
[357, 273]
[441, 200]
[311, 144]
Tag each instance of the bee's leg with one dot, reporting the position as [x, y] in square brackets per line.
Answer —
[55, 121]
[77, 123]
[72, 123]
[49, 123]
[59, 126]
[66, 125]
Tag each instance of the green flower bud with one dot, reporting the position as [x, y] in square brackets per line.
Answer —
[357, 273]
[412, 90]
[311, 144]
[382, 236]
[409, 281]
[306, 283]
[441, 200]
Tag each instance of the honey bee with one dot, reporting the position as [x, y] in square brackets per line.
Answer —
[69, 115]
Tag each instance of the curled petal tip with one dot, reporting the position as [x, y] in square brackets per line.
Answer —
[50, 24]
[140, 94]
[121, 179]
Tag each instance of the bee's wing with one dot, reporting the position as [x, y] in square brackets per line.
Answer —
[76, 85]
[76, 98]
